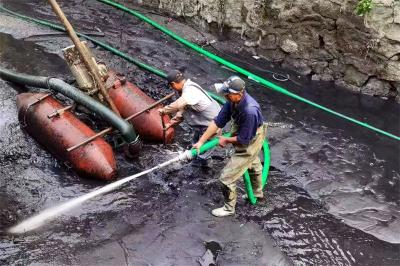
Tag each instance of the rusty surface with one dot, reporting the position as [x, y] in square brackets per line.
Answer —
[56, 134]
[129, 100]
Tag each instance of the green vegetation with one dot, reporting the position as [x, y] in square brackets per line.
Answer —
[363, 7]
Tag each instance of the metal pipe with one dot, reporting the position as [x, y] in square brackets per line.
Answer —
[86, 141]
[151, 106]
[126, 129]
[164, 131]
[87, 60]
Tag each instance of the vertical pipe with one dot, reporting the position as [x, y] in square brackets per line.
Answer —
[82, 51]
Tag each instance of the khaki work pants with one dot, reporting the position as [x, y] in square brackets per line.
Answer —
[245, 157]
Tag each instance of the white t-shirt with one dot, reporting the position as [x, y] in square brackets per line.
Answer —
[202, 109]
[194, 97]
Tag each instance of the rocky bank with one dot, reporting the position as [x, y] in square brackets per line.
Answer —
[323, 39]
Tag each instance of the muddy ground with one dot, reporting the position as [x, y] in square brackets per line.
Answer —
[333, 191]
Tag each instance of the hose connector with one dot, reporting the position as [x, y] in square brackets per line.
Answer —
[186, 156]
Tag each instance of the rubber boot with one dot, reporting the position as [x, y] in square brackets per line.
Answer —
[230, 196]
[224, 211]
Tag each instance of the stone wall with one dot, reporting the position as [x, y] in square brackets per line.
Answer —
[322, 38]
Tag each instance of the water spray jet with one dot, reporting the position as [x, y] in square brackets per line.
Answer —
[41, 218]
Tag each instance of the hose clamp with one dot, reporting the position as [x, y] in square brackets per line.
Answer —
[134, 141]
[48, 83]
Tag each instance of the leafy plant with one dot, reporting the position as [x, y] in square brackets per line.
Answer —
[363, 7]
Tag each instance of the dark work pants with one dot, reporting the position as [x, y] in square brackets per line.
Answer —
[198, 131]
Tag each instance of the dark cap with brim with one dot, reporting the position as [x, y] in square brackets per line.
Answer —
[175, 76]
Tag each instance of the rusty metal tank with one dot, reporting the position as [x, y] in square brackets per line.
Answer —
[56, 134]
[129, 99]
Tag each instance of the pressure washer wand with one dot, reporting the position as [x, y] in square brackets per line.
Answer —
[38, 220]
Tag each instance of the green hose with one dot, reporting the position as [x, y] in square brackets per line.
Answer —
[243, 71]
[246, 177]
[209, 145]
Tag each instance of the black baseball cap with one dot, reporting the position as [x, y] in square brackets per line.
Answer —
[175, 76]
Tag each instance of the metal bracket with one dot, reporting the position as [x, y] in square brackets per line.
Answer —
[38, 100]
[164, 130]
[59, 111]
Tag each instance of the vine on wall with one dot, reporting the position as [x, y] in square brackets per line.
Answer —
[363, 7]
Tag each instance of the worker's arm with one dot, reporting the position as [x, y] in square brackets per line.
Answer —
[174, 107]
[177, 108]
[177, 119]
[223, 141]
[215, 126]
[211, 130]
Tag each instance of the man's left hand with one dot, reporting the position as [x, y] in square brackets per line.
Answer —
[161, 111]
[222, 142]
[198, 145]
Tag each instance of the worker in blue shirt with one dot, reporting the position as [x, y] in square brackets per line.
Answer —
[248, 133]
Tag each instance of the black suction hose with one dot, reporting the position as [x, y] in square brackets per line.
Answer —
[125, 128]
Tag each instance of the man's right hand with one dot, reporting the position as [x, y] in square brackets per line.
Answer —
[161, 111]
[168, 125]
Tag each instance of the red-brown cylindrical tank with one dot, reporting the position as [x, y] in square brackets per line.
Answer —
[56, 134]
[129, 99]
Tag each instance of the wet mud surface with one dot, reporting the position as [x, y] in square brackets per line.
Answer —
[333, 191]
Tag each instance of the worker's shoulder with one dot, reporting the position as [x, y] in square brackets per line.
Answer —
[190, 83]
[250, 99]
[251, 102]
[192, 88]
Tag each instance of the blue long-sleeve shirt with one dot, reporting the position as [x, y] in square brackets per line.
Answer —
[246, 114]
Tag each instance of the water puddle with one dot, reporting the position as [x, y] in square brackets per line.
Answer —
[210, 256]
